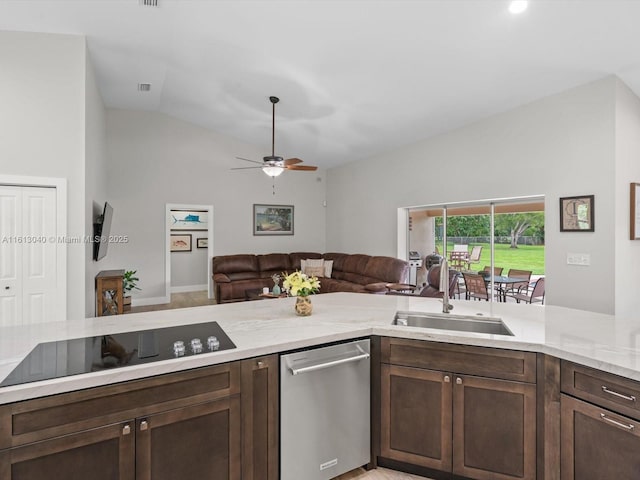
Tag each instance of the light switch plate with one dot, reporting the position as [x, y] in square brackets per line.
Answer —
[583, 259]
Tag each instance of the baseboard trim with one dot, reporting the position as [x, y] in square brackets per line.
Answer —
[189, 288]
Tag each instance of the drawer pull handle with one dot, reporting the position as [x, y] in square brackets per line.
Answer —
[447, 379]
[126, 430]
[631, 398]
[144, 425]
[626, 426]
[458, 381]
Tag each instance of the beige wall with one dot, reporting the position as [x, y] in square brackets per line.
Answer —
[42, 128]
[156, 160]
[558, 146]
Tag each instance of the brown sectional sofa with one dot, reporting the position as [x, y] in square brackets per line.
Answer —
[233, 275]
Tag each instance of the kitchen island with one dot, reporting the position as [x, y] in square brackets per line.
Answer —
[238, 384]
[263, 327]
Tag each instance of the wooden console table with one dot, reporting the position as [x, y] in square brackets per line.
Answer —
[109, 292]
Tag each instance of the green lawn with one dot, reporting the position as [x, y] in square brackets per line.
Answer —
[525, 257]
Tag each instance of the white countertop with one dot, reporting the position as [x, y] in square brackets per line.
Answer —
[262, 327]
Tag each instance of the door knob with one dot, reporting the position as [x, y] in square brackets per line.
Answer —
[446, 379]
[458, 381]
[7, 287]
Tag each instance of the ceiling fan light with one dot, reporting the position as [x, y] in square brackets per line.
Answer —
[272, 170]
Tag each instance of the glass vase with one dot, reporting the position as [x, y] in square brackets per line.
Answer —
[303, 306]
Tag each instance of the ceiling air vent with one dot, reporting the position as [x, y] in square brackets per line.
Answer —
[149, 3]
[144, 87]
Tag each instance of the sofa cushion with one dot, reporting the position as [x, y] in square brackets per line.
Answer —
[385, 269]
[295, 257]
[273, 263]
[235, 264]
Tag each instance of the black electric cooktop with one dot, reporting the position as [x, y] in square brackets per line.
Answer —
[92, 354]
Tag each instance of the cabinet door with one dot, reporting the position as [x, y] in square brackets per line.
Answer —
[416, 416]
[259, 387]
[494, 429]
[201, 441]
[106, 453]
[597, 444]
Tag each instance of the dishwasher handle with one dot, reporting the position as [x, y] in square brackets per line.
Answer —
[319, 366]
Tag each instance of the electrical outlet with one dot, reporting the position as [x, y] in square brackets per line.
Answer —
[583, 259]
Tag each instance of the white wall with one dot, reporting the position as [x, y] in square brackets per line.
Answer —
[558, 146]
[155, 160]
[95, 176]
[627, 252]
[42, 125]
[189, 269]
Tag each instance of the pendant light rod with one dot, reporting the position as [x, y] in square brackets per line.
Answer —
[274, 100]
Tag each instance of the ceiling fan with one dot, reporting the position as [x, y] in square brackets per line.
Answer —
[273, 165]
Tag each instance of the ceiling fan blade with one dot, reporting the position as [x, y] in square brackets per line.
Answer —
[244, 168]
[292, 161]
[252, 161]
[309, 168]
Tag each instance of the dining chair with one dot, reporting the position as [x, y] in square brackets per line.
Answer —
[476, 286]
[525, 275]
[532, 295]
[474, 257]
[496, 270]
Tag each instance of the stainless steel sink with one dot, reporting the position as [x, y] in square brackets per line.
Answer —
[447, 321]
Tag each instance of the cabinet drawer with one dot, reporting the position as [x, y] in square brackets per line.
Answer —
[34, 420]
[597, 443]
[481, 361]
[604, 389]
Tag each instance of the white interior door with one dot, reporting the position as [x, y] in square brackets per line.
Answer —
[28, 277]
[10, 255]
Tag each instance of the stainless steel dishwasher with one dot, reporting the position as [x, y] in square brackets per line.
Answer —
[324, 411]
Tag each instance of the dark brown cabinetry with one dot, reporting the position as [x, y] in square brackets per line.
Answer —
[260, 424]
[466, 410]
[600, 428]
[178, 425]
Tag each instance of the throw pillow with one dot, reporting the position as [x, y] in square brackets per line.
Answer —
[312, 267]
[328, 268]
[315, 272]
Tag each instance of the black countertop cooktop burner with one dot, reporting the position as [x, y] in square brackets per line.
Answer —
[92, 354]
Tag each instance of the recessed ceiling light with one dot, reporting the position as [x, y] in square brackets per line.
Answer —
[518, 6]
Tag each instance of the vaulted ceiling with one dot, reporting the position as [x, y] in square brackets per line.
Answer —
[355, 77]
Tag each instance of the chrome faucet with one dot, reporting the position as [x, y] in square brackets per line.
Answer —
[444, 286]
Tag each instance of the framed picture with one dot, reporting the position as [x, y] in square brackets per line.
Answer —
[635, 211]
[202, 242]
[272, 219]
[576, 214]
[181, 242]
[189, 220]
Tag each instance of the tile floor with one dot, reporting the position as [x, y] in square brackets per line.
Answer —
[378, 474]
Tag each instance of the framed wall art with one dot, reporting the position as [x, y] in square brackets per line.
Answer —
[634, 227]
[577, 214]
[181, 242]
[272, 219]
[189, 220]
[202, 242]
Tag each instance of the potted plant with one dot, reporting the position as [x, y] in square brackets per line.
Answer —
[129, 283]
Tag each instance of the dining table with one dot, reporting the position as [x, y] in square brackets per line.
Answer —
[502, 283]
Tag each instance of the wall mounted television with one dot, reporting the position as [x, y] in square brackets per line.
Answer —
[101, 232]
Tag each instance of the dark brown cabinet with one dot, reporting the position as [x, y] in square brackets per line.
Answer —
[105, 453]
[181, 425]
[260, 424]
[600, 428]
[454, 420]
